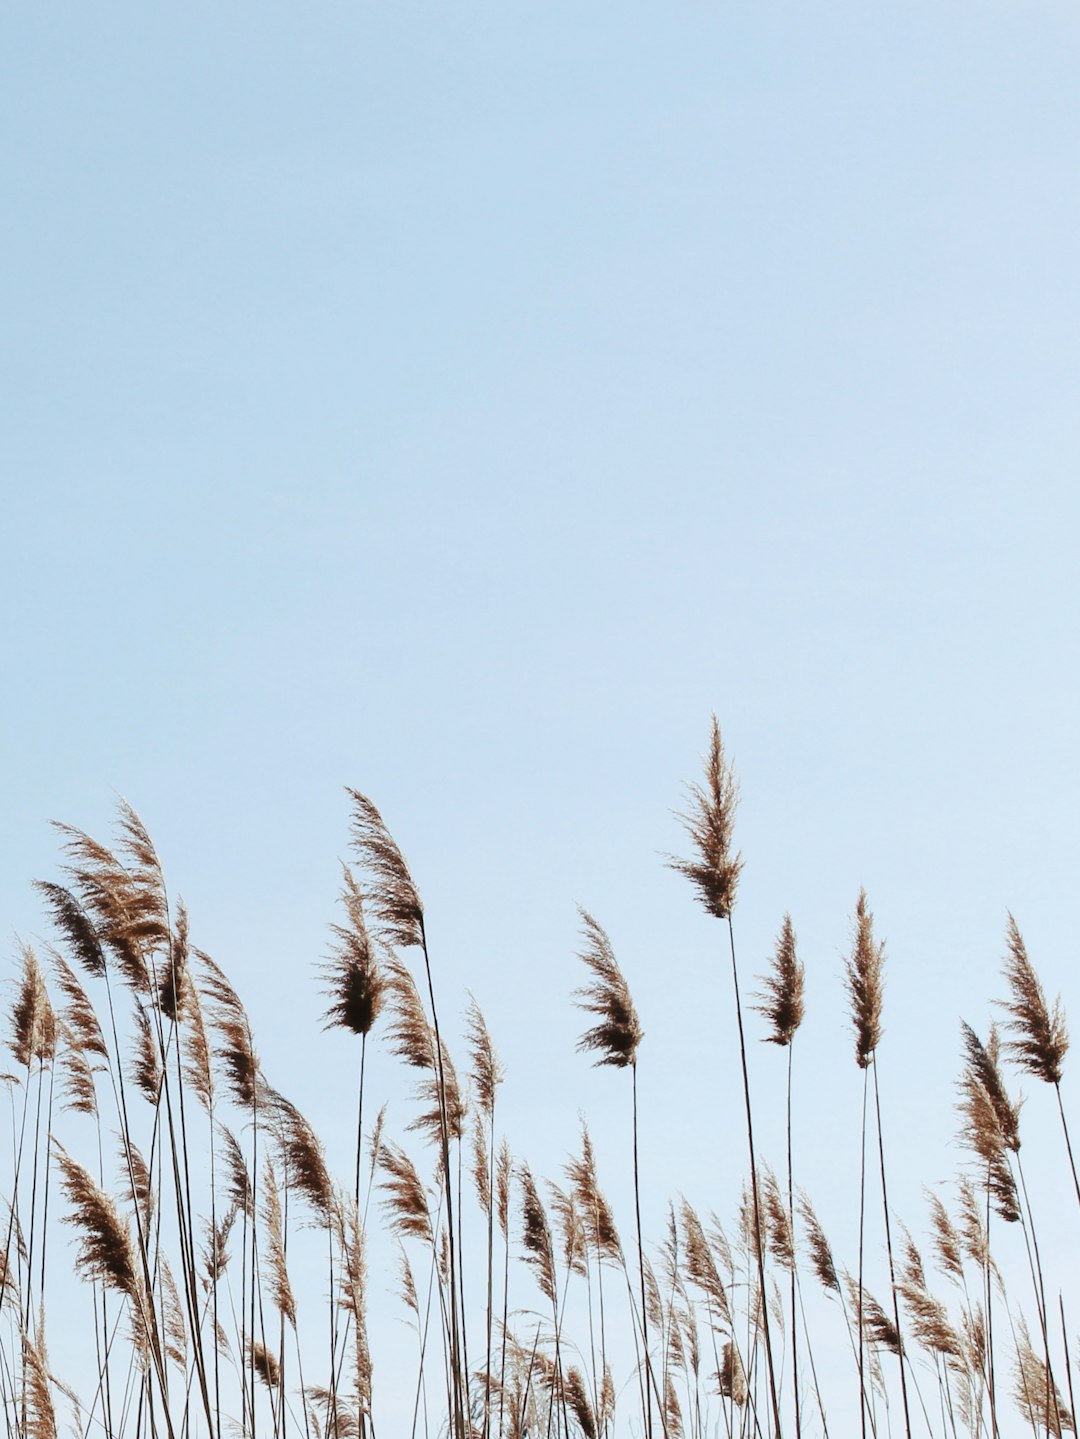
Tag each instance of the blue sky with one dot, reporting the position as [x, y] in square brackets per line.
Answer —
[463, 403]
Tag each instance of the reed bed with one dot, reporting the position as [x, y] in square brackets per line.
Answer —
[221, 1279]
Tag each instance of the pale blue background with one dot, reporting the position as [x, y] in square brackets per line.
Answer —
[463, 402]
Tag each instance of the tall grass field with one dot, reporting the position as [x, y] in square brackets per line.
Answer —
[175, 1217]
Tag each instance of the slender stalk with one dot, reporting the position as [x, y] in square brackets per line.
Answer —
[759, 1247]
[889, 1251]
[641, 1260]
[459, 1400]
[1068, 1141]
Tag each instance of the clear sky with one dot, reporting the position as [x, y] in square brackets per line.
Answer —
[462, 403]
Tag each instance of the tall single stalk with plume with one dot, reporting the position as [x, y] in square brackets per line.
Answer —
[714, 872]
[864, 974]
[399, 915]
[781, 1003]
[615, 1038]
[355, 987]
[1040, 1037]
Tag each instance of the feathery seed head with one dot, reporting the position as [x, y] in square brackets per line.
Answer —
[781, 1001]
[1041, 1036]
[618, 1033]
[710, 825]
[865, 984]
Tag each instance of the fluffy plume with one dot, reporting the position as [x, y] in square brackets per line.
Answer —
[1036, 1393]
[280, 1287]
[819, 1248]
[125, 902]
[354, 1300]
[972, 1224]
[879, 1328]
[78, 1013]
[929, 1317]
[196, 1048]
[778, 1223]
[175, 982]
[731, 1377]
[394, 901]
[617, 1035]
[710, 825]
[77, 1083]
[504, 1169]
[1040, 1037]
[701, 1268]
[235, 1050]
[265, 1365]
[480, 1165]
[33, 1022]
[577, 1400]
[75, 925]
[406, 1199]
[863, 976]
[303, 1157]
[137, 1182]
[355, 983]
[39, 1420]
[105, 1249]
[536, 1235]
[594, 1211]
[176, 1339]
[238, 1190]
[485, 1070]
[570, 1227]
[990, 1125]
[145, 1066]
[781, 999]
[946, 1239]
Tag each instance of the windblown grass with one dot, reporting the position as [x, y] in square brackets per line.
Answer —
[143, 1123]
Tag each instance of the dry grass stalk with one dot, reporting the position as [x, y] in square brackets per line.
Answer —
[701, 1269]
[235, 1050]
[1040, 1037]
[946, 1239]
[355, 983]
[175, 982]
[354, 1302]
[145, 1069]
[394, 901]
[486, 1071]
[577, 1397]
[280, 1286]
[990, 1123]
[406, 1199]
[593, 1209]
[820, 1250]
[536, 1235]
[266, 1366]
[781, 1001]
[75, 925]
[78, 1091]
[618, 1033]
[78, 1013]
[1037, 1395]
[303, 1157]
[39, 1415]
[34, 1029]
[864, 971]
[731, 1377]
[710, 824]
